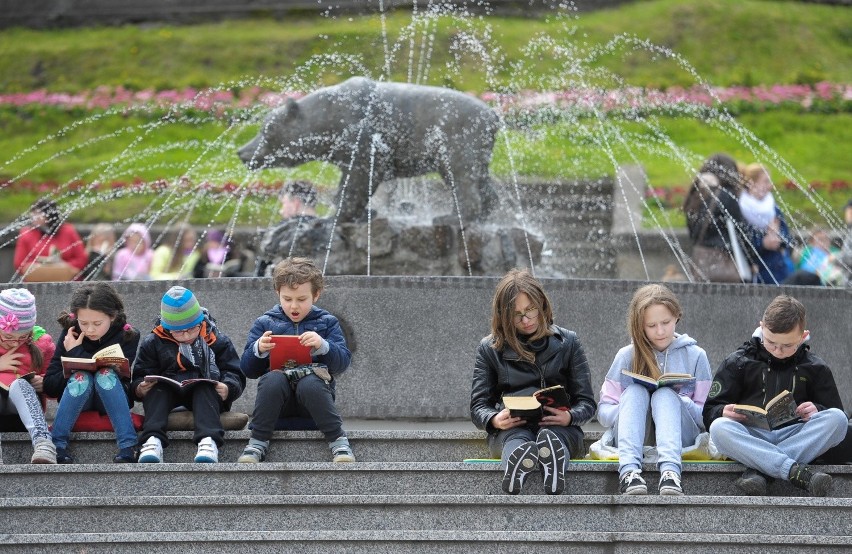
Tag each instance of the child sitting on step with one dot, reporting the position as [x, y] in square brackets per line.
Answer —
[303, 391]
[626, 406]
[25, 350]
[95, 320]
[186, 344]
[777, 358]
[526, 352]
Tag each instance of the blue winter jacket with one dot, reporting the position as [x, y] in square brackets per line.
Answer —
[327, 326]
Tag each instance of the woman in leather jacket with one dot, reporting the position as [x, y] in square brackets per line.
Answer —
[526, 352]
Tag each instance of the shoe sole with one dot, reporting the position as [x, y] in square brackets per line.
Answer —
[522, 462]
[636, 490]
[551, 456]
[150, 460]
[671, 491]
[752, 487]
[46, 461]
[248, 460]
[205, 460]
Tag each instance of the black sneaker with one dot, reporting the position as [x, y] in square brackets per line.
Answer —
[522, 461]
[753, 483]
[63, 456]
[551, 456]
[670, 484]
[632, 483]
[805, 477]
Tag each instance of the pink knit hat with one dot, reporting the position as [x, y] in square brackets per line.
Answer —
[17, 310]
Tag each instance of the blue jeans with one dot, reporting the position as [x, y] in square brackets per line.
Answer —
[78, 396]
[774, 452]
[673, 426]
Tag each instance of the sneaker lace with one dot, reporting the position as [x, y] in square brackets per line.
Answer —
[671, 476]
[633, 474]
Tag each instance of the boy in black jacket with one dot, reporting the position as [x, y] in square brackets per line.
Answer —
[777, 358]
[185, 345]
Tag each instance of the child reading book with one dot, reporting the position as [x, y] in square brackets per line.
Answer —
[95, 320]
[626, 406]
[778, 347]
[185, 344]
[25, 349]
[526, 352]
[301, 390]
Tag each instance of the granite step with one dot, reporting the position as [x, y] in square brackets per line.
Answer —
[450, 515]
[421, 542]
[363, 478]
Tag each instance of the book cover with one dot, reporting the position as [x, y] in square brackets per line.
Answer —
[288, 352]
[779, 412]
[529, 407]
[111, 356]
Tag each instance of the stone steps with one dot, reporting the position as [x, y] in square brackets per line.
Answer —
[362, 478]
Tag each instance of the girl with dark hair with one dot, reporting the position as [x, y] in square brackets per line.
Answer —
[95, 320]
[625, 406]
[526, 352]
[48, 241]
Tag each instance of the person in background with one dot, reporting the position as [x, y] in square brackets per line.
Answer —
[99, 246]
[298, 208]
[524, 352]
[177, 256]
[133, 260]
[767, 228]
[49, 241]
[818, 263]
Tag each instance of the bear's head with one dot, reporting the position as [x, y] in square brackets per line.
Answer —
[283, 141]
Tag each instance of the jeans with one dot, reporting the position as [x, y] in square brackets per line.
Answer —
[202, 399]
[774, 452]
[507, 440]
[674, 427]
[312, 397]
[24, 401]
[80, 395]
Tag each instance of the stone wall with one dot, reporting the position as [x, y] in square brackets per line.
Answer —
[413, 338]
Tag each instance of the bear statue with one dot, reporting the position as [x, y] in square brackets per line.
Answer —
[376, 131]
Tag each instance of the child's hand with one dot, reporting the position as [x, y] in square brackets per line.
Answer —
[805, 410]
[10, 361]
[73, 339]
[143, 388]
[222, 389]
[37, 382]
[310, 338]
[504, 420]
[729, 412]
[555, 417]
[264, 343]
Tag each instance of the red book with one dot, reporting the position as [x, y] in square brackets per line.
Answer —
[288, 352]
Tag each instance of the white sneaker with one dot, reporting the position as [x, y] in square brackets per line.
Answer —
[151, 452]
[208, 452]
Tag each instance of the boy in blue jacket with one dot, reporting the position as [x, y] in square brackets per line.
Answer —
[304, 391]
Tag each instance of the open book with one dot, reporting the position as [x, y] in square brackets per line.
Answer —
[111, 356]
[10, 376]
[779, 411]
[530, 407]
[185, 384]
[682, 383]
[288, 352]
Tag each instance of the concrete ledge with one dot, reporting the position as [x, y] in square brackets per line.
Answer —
[413, 339]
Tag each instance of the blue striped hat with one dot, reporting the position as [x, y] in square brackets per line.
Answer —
[180, 310]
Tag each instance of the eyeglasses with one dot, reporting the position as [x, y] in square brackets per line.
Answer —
[186, 332]
[775, 347]
[530, 313]
[15, 339]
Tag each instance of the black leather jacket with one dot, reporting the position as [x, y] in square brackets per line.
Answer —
[561, 362]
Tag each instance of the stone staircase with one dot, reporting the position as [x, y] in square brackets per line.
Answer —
[410, 491]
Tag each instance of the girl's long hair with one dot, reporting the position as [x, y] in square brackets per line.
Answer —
[644, 360]
[100, 297]
[503, 330]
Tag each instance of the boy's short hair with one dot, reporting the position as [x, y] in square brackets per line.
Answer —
[292, 272]
[303, 190]
[784, 314]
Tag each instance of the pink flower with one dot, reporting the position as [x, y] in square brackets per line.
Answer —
[9, 322]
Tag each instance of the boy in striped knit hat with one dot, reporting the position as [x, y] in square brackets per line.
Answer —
[186, 344]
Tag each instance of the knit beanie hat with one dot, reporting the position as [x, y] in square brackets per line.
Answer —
[180, 310]
[17, 310]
